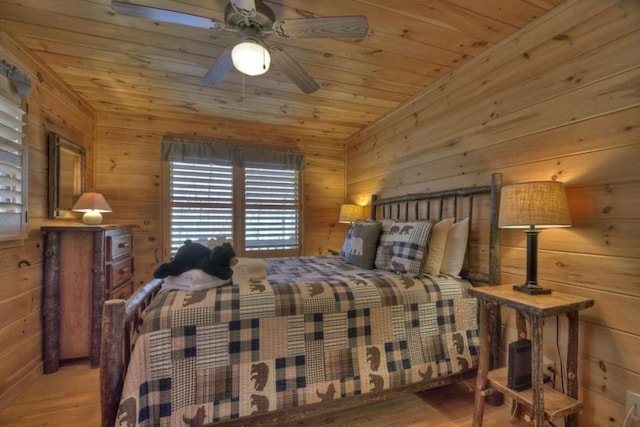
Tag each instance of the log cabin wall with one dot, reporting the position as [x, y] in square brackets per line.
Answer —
[52, 106]
[559, 100]
[129, 174]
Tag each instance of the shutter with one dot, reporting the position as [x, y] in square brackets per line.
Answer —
[13, 172]
[201, 197]
[272, 209]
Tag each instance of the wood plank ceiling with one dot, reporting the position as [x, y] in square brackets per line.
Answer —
[132, 65]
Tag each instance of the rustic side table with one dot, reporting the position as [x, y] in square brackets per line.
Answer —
[544, 402]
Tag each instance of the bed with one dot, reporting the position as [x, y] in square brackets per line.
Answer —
[317, 334]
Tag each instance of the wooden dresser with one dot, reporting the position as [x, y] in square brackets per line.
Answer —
[84, 265]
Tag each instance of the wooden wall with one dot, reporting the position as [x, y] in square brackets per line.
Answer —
[560, 100]
[129, 174]
[52, 107]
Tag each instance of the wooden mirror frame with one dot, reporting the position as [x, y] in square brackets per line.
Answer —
[66, 176]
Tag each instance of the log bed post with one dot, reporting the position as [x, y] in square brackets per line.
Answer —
[495, 273]
[111, 363]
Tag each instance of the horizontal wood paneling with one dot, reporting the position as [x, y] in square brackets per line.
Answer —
[557, 101]
[138, 66]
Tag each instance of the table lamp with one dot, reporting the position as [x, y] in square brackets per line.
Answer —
[533, 206]
[92, 204]
[350, 213]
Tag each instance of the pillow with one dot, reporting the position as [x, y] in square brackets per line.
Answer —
[193, 281]
[249, 269]
[360, 244]
[402, 247]
[437, 244]
[455, 248]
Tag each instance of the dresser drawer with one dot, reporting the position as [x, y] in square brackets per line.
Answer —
[119, 245]
[118, 272]
[122, 292]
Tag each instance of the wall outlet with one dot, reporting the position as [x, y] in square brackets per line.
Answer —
[633, 399]
[548, 368]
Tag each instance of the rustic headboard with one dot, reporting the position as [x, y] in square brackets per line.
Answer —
[459, 203]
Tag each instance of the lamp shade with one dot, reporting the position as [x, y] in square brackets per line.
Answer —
[350, 213]
[542, 204]
[92, 204]
[250, 58]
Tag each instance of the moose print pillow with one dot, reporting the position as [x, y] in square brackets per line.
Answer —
[402, 247]
[360, 244]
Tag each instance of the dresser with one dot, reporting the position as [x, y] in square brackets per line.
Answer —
[84, 265]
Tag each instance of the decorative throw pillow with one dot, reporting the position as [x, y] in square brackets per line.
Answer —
[402, 246]
[455, 249]
[360, 244]
[437, 244]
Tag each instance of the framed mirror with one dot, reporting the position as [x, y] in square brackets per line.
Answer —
[66, 176]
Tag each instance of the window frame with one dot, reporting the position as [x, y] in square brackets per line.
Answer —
[238, 214]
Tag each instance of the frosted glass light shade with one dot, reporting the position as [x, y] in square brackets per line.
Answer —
[350, 213]
[92, 204]
[250, 58]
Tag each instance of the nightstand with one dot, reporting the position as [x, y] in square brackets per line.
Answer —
[544, 402]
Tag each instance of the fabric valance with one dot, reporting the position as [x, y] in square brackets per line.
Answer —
[203, 151]
[20, 80]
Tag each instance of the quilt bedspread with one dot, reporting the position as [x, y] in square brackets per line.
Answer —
[315, 329]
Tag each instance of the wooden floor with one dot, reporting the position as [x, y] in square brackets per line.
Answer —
[70, 398]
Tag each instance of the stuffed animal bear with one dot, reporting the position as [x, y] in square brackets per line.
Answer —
[216, 262]
[223, 257]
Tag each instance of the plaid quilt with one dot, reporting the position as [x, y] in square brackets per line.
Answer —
[315, 329]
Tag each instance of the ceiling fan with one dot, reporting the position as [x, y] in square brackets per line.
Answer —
[254, 22]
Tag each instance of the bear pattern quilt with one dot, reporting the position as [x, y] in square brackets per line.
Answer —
[314, 329]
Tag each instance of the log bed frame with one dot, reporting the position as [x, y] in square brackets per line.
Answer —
[121, 317]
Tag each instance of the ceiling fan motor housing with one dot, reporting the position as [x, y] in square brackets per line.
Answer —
[261, 22]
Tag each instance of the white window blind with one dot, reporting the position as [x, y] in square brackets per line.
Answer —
[201, 202]
[13, 171]
[272, 214]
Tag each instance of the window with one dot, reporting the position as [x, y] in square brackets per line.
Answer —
[13, 170]
[271, 202]
[253, 200]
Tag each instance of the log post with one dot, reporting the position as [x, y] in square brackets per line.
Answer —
[51, 302]
[111, 364]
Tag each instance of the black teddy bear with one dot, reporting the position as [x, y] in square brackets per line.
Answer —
[216, 262]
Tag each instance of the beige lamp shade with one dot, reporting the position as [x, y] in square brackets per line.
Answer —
[92, 204]
[350, 213]
[542, 204]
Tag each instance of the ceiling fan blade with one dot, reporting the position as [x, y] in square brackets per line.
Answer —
[164, 15]
[219, 69]
[293, 70]
[244, 7]
[355, 26]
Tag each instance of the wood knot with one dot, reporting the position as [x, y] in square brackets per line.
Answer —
[602, 366]
[23, 263]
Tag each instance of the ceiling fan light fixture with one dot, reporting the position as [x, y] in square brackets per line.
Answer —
[250, 58]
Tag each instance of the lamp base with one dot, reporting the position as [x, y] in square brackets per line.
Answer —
[531, 289]
[92, 218]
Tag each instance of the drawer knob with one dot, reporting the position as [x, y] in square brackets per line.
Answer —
[124, 270]
[123, 245]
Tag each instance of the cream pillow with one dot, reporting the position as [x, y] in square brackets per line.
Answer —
[455, 248]
[437, 246]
